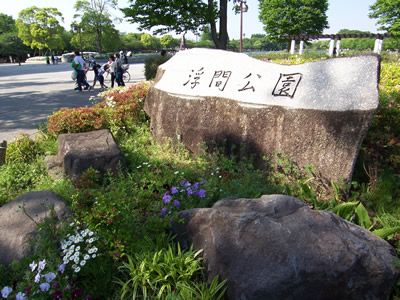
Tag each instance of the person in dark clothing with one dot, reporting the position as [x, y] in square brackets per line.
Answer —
[119, 71]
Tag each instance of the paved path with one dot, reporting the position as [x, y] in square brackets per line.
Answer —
[31, 92]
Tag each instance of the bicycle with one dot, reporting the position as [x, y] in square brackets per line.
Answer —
[126, 76]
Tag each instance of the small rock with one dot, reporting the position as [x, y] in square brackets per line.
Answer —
[79, 151]
[19, 219]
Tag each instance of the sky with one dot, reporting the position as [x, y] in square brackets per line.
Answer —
[349, 14]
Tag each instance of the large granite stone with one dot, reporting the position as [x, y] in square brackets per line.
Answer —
[19, 219]
[79, 151]
[316, 113]
[277, 248]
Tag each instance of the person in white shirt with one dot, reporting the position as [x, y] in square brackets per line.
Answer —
[80, 64]
[113, 66]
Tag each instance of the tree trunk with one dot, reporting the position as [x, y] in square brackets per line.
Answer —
[220, 39]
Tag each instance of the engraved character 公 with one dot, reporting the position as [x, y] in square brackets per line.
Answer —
[247, 85]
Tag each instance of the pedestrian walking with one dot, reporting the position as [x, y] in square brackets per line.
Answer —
[119, 70]
[99, 74]
[113, 65]
[78, 64]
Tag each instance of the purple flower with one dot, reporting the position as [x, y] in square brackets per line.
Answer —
[177, 204]
[166, 198]
[185, 183]
[6, 291]
[189, 192]
[174, 190]
[20, 296]
[201, 193]
[44, 287]
[49, 277]
[163, 212]
[37, 278]
[61, 268]
[196, 186]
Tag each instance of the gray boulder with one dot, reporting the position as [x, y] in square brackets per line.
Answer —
[79, 151]
[315, 113]
[276, 247]
[19, 219]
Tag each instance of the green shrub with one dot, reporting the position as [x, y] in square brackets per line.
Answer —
[22, 150]
[155, 275]
[151, 64]
[119, 107]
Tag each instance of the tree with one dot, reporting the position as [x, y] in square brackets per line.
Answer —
[39, 28]
[95, 27]
[180, 16]
[131, 41]
[10, 43]
[150, 42]
[167, 41]
[293, 17]
[388, 14]
[7, 24]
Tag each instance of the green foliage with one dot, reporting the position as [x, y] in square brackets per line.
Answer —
[355, 212]
[388, 14]
[180, 16]
[168, 42]
[204, 291]
[23, 150]
[93, 26]
[151, 64]
[154, 276]
[292, 17]
[39, 28]
[149, 42]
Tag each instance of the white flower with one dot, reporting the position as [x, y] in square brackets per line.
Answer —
[83, 262]
[77, 269]
[87, 257]
[76, 260]
[33, 266]
[91, 240]
[37, 278]
[94, 255]
[176, 172]
[42, 265]
[91, 233]
[78, 248]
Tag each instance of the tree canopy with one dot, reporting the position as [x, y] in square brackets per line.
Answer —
[10, 43]
[93, 26]
[293, 17]
[39, 28]
[180, 16]
[388, 14]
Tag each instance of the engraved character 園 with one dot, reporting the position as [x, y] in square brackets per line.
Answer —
[287, 85]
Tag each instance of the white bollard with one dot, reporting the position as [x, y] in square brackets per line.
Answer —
[293, 47]
[338, 42]
[301, 49]
[376, 46]
[380, 44]
[331, 47]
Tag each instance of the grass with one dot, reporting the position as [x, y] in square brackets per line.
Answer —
[124, 209]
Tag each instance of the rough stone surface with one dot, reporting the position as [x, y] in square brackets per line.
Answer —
[276, 247]
[322, 124]
[19, 218]
[79, 151]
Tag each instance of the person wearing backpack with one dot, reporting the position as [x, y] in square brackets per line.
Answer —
[78, 64]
